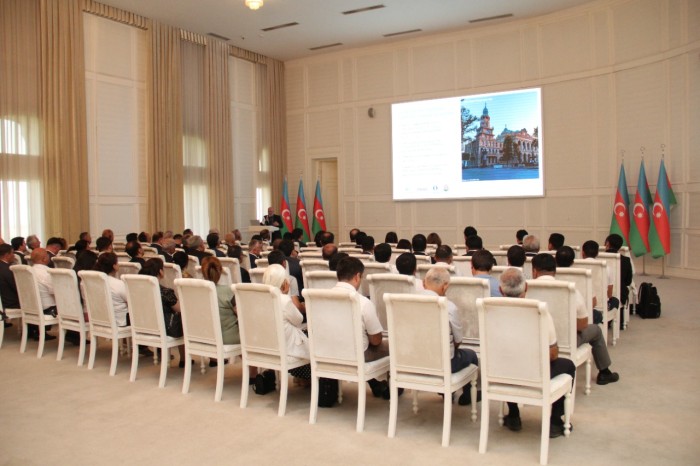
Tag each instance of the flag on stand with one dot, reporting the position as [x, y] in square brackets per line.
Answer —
[287, 225]
[319, 223]
[620, 223]
[660, 237]
[639, 229]
[302, 218]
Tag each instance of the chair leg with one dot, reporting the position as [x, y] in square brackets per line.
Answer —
[544, 442]
[568, 411]
[340, 392]
[283, 387]
[361, 402]
[188, 373]
[155, 356]
[616, 326]
[501, 406]
[202, 366]
[134, 363]
[42, 340]
[81, 354]
[474, 397]
[313, 411]
[393, 407]
[245, 386]
[164, 364]
[587, 391]
[115, 356]
[415, 401]
[25, 330]
[219, 379]
[2, 332]
[447, 419]
[93, 351]
[484, 435]
[61, 343]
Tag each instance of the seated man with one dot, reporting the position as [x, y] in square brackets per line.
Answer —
[589, 251]
[8, 287]
[382, 255]
[328, 251]
[213, 244]
[418, 244]
[103, 244]
[53, 247]
[544, 268]
[531, 245]
[482, 263]
[406, 264]
[436, 282]
[368, 245]
[556, 241]
[20, 248]
[474, 243]
[519, 235]
[613, 243]
[135, 251]
[157, 241]
[513, 285]
[169, 246]
[40, 263]
[516, 256]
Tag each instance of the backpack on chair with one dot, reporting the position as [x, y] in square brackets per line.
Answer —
[649, 303]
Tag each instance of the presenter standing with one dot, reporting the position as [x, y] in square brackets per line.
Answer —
[271, 218]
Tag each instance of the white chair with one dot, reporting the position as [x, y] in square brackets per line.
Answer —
[311, 265]
[419, 352]
[514, 363]
[234, 268]
[351, 244]
[245, 260]
[192, 263]
[225, 278]
[380, 283]
[63, 262]
[201, 324]
[261, 263]
[463, 265]
[263, 343]
[423, 260]
[306, 255]
[613, 260]
[256, 274]
[171, 272]
[320, 279]
[599, 280]
[560, 297]
[582, 278]
[9, 315]
[501, 257]
[422, 269]
[98, 300]
[30, 306]
[504, 247]
[459, 250]
[497, 270]
[463, 292]
[148, 322]
[335, 342]
[126, 268]
[395, 253]
[149, 252]
[70, 310]
[370, 269]
[122, 257]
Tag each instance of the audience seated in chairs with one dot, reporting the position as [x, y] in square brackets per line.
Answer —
[135, 251]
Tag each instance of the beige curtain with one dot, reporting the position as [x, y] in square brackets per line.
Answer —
[274, 126]
[218, 136]
[63, 113]
[21, 208]
[165, 189]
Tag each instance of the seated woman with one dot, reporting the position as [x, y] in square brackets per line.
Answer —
[171, 308]
[297, 342]
[212, 271]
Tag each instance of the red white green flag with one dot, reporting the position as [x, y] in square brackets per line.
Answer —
[302, 217]
[660, 236]
[287, 225]
[319, 223]
[620, 223]
[639, 229]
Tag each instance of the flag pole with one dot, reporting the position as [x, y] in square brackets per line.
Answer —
[663, 268]
[644, 264]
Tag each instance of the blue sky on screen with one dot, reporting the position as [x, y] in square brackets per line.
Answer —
[516, 109]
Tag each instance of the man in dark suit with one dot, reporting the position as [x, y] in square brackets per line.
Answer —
[196, 248]
[287, 246]
[613, 243]
[8, 287]
[272, 218]
[53, 247]
[157, 242]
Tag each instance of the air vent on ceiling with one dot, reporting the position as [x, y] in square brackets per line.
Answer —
[362, 10]
[392, 34]
[280, 26]
[326, 46]
[491, 18]
[213, 34]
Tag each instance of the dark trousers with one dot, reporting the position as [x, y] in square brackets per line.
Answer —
[463, 358]
[556, 367]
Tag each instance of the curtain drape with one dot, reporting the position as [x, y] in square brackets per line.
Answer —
[274, 124]
[165, 189]
[64, 138]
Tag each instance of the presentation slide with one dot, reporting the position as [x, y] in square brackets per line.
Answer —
[479, 146]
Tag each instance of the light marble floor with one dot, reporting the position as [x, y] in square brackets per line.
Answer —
[57, 413]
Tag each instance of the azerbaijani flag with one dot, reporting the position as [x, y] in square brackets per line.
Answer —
[319, 223]
[302, 218]
[287, 225]
[620, 223]
[660, 238]
[639, 231]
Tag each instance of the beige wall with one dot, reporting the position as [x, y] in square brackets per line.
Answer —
[615, 75]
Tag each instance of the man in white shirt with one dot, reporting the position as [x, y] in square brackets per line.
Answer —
[40, 262]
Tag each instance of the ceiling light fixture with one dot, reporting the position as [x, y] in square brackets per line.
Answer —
[253, 4]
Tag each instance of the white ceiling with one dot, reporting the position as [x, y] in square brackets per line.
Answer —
[321, 22]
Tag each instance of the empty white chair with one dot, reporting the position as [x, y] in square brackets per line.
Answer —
[201, 324]
[463, 265]
[128, 268]
[514, 362]
[233, 266]
[335, 341]
[459, 250]
[245, 260]
[98, 300]
[70, 310]
[419, 351]
[320, 279]
[380, 283]
[463, 292]
[148, 322]
[63, 262]
[30, 306]
[422, 269]
[560, 297]
[171, 272]
[263, 342]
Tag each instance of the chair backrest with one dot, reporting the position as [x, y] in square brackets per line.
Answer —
[463, 292]
[309, 248]
[370, 269]
[613, 261]
[256, 274]
[422, 269]
[27, 290]
[63, 262]
[317, 254]
[261, 263]
[260, 321]
[599, 279]
[67, 295]
[171, 272]
[334, 322]
[463, 265]
[311, 265]
[500, 256]
[126, 268]
[245, 259]
[364, 258]
[234, 268]
[320, 279]
[118, 246]
[380, 283]
[145, 305]
[122, 257]
[583, 280]
[560, 297]
[527, 267]
[422, 260]
[395, 253]
[459, 249]
[514, 342]
[98, 298]
[200, 311]
[497, 270]
[504, 247]
[149, 252]
[418, 321]
[192, 263]
[225, 278]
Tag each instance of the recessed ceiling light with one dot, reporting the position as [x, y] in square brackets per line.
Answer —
[213, 34]
[280, 26]
[491, 18]
[400, 33]
[362, 10]
[326, 46]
